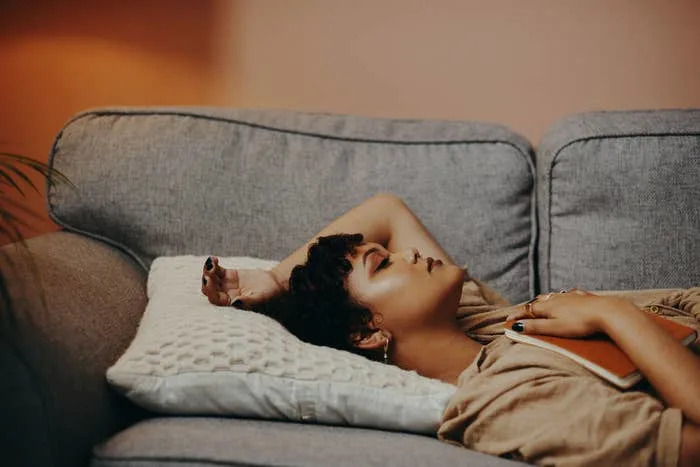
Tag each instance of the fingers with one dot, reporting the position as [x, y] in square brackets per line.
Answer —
[528, 310]
[212, 283]
[540, 305]
[210, 287]
[223, 299]
[208, 278]
[235, 298]
[238, 303]
[209, 281]
[535, 326]
[219, 271]
[534, 318]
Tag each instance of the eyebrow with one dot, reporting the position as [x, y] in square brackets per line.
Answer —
[367, 253]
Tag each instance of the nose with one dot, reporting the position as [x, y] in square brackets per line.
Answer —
[411, 255]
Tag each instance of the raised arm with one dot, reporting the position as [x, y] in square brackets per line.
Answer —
[383, 219]
[671, 368]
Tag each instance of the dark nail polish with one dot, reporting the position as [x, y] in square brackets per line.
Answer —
[204, 281]
[237, 303]
[209, 264]
[518, 327]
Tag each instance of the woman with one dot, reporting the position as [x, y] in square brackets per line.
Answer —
[390, 292]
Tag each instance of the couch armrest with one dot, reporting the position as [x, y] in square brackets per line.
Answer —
[54, 351]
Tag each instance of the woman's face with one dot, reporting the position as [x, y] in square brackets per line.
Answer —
[403, 290]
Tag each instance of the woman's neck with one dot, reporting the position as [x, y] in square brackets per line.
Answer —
[441, 353]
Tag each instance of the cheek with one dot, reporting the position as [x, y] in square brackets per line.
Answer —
[387, 290]
[407, 298]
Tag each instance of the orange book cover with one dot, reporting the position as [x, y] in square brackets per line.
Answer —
[599, 353]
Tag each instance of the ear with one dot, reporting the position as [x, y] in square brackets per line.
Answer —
[376, 340]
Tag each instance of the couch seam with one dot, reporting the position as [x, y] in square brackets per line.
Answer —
[534, 234]
[57, 220]
[623, 135]
[558, 151]
[105, 113]
[534, 227]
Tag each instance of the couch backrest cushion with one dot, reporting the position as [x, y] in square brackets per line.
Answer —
[619, 201]
[172, 181]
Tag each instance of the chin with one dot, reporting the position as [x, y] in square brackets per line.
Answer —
[451, 290]
[457, 272]
[454, 277]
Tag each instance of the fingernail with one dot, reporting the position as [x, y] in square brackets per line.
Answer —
[204, 281]
[237, 303]
[518, 327]
[208, 264]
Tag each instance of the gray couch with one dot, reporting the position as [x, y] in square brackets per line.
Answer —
[609, 200]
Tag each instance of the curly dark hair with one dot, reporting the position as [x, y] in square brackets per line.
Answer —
[318, 308]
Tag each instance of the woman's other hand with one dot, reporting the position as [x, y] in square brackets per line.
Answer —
[242, 288]
[575, 313]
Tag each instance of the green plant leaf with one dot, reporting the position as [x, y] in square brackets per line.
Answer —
[11, 166]
[9, 229]
[10, 181]
[52, 175]
[20, 207]
[11, 219]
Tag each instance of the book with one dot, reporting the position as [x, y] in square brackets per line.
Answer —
[599, 353]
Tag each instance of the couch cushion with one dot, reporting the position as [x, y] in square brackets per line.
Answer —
[619, 201]
[221, 441]
[169, 181]
[63, 330]
[190, 357]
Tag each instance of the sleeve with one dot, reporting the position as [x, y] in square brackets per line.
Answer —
[682, 306]
[481, 311]
[545, 413]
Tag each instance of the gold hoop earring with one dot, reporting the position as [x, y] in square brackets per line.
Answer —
[386, 349]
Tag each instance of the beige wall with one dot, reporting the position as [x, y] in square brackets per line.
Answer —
[523, 63]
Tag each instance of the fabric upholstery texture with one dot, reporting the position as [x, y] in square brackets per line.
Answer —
[619, 201]
[191, 357]
[263, 182]
[55, 402]
[617, 197]
[221, 441]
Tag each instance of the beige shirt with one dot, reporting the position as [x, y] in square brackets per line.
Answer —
[526, 403]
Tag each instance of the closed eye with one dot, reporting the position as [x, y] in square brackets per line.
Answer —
[384, 264]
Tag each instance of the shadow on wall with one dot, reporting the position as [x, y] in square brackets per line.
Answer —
[164, 27]
[61, 57]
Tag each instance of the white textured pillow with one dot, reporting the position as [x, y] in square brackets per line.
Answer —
[191, 357]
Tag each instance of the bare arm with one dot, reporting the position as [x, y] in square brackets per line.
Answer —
[383, 219]
[671, 368]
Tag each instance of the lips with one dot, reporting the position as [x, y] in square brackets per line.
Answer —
[432, 262]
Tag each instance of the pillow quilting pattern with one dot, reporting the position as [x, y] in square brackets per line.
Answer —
[192, 357]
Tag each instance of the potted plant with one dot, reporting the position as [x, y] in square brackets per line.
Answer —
[13, 214]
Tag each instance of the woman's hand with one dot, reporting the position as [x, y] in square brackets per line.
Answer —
[242, 288]
[576, 313]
